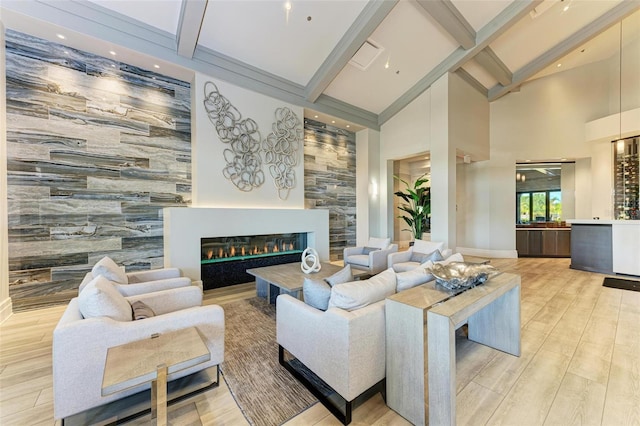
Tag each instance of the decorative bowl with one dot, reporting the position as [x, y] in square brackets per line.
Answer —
[461, 275]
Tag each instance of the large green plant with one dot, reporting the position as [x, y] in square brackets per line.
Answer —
[417, 204]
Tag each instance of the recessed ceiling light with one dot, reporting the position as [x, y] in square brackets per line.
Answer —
[386, 64]
[287, 5]
[333, 121]
[112, 52]
[348, 125]
[60, 36]
[156, 66]
[315, 116]
[565, 8]
[559, 65]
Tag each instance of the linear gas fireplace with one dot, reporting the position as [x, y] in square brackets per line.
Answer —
[224, 260]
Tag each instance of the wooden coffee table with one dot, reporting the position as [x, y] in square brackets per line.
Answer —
[286, 278]
[151, 360]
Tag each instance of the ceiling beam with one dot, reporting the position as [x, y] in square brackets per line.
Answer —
[189, 24]
[451, 20]
[472, 81]
[571, 43]
[490, 62]
[487, 34]
[365, 24]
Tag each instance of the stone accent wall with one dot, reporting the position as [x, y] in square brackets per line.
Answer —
[330, 181]
[95, 150]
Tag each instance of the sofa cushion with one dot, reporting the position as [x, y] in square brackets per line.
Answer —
[344, 275]
[101, 299]
[316, 293]
[359, 259]
[358, 294]
[381, 243]
[110, 270]
[141, 310]
[433, 256]
[422, 246]
[412, 278]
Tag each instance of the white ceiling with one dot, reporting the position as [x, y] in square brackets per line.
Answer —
[301, 55]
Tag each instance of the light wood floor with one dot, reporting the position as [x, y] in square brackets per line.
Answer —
[580, 362]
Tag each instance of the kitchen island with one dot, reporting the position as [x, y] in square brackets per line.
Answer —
[606, 246]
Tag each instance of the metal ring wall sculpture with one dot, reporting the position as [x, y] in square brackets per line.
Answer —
[244, 164]
[281, 150]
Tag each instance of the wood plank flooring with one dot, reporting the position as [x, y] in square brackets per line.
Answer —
[580, 362]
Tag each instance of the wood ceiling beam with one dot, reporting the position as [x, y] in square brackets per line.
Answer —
[490, 62]
[487, 34]
[472, 81]
[451, 20]
[365, 24]
[574, 41]
[189, 24]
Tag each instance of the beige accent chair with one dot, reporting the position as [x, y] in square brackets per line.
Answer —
[138, 282]
[417, 254]
[80, 344]
[371, 258]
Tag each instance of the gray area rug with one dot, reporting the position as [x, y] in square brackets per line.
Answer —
[265, 392]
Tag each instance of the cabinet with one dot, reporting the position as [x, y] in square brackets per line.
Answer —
[626, 168]
[547, 242]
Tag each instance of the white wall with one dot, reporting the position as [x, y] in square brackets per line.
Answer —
[210, 187]
[568, 190]
[367, 185]
[5, 301]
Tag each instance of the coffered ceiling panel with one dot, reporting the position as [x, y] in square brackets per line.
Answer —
[413, 44]
[291, 44]
[531, 37]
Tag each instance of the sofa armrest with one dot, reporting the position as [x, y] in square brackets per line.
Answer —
[153, 275]
[345, 349]
[165, 301]
[398, 257]
[350, 251]
[378, 259]
[446, 253]
[152, 286]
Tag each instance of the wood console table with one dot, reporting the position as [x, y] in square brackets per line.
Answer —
[420, 338]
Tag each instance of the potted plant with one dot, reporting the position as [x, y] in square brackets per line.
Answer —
[417, 203]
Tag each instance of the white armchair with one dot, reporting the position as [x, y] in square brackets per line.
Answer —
[420, 252]
[80, 344]
[371, 258]
[139, 282]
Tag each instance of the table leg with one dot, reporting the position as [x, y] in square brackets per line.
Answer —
[441, 354]
[159, 403]
[262, 287]
[498, 324]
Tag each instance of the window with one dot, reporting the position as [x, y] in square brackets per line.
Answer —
[538, 206]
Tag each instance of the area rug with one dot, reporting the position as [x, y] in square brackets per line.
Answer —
[621, 284]
[267, 394]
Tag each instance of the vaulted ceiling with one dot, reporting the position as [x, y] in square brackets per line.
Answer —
[360, 61]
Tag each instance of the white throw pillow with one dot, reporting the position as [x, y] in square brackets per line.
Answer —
[316, 293]
[110, 270]
[358, 294]
[456, 257]
[344, 275]
[101, 299]
[422, 246]
[412, 278]
[381, 243]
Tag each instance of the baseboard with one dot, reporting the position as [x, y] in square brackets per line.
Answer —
[498, 254]
[6, 309]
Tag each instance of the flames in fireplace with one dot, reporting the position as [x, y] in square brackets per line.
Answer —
[234, 248]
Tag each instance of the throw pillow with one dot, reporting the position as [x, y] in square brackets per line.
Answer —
[421, 258]
[412, 278]
[101, 299]
[381, 243]
[342, 276]
[422, 246]
[141, 310]
[358, 294]
[457, 257]
[316, 293]
[368, 250]
[110, 270]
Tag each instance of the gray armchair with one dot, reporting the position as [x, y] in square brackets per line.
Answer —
[371, 258]
[417, 254]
